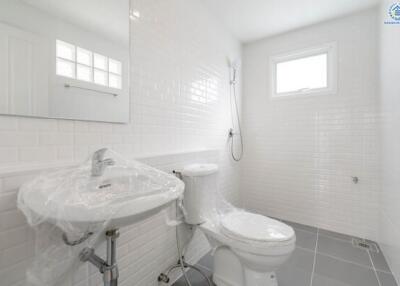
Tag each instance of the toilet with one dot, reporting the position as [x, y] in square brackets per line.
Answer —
[248, 248]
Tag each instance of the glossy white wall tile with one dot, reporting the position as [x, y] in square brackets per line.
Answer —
[301, 152]
[390, 104]
[179, 102]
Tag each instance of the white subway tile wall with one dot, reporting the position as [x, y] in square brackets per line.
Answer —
[179, 102]
[390, 103]
[301, 152]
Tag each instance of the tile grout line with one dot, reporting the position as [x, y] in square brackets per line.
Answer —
[339, 239]
[319, 234]
[373, 265]
[346, 261]
[305, 249]
[349, 261]
[315, 258]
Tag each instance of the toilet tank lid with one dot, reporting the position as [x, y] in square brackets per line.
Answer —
[198, 170]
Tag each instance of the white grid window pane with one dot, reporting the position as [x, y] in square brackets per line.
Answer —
[100, 77]
[114, 66]
[84, 73]
[65, 50]
[302, 74]
[84, 56]
[84, 65]
[115, 81]
[65, 68]
[100, 62]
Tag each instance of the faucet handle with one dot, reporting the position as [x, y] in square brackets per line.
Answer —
[99, 154]
[99, 163]
[109, 162]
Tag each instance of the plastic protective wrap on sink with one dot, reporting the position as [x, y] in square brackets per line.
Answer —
[73, 193]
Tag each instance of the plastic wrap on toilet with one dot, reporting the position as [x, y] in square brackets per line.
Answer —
[203, 201]
[61, 231]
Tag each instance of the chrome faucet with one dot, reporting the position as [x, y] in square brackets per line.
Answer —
[99, 164]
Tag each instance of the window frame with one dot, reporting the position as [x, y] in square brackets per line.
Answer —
[330, 49]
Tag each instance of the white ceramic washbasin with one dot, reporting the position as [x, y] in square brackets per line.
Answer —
[123, 194]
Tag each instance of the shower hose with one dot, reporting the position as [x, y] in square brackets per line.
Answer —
[232, 134]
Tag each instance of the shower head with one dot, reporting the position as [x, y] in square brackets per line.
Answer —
[234, 65]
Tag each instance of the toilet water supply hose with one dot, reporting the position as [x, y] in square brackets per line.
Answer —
[182, 264]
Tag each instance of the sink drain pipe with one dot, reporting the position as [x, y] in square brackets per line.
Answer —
[108, 267]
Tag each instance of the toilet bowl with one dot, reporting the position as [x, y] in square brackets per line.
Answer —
[258, 252]
[247, 248]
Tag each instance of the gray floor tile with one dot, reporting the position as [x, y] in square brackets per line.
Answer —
[386, 279]
[305, 239]
[297, 270]
[379, 261]
[336, 235]
[331, 268]
[343, 250]
[333, 272]
[195, 278]
[207, 261]
[299, 226]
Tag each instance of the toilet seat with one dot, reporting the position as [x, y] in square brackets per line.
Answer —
[246, 226]
[213, 228]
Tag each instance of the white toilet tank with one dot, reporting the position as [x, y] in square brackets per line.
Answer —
[200, 192]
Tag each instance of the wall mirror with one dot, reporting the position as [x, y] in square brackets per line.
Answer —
[65, 59]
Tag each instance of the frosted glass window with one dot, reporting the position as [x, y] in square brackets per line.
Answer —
[114, 81]
[65, 51]
[84, 73]
[100, 62]
[65, 68]
[312, 71]
[84, 56]
[100, 77]
[114, 66]
[302, 74]
[85, 65]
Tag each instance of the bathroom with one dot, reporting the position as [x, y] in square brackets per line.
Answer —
[279, 130]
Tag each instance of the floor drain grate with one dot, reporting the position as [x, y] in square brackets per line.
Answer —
[361, 243]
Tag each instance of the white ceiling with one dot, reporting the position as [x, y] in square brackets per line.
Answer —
[250, 20]
[107, 17]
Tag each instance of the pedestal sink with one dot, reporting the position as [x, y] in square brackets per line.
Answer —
[85, 202]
